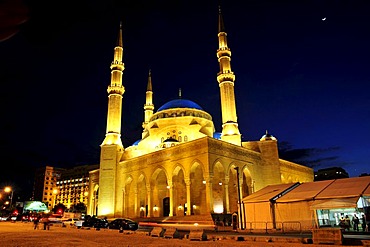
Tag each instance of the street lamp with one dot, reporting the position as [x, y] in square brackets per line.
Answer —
[239, 199]
[7, 190]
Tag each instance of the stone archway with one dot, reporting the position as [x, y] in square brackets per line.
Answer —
[129, 197]
[142, 196]
[159, 191]
[248, 184]
[179, 191]
[233, 190]
[197, 190]
[218, 188]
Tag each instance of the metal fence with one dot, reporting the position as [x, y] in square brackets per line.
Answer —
[268, 227]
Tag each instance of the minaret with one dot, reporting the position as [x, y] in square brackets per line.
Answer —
[112, 148]
[148, 106]
[226, 78]
[115, 92]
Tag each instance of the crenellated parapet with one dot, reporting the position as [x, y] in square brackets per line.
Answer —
[119, 89]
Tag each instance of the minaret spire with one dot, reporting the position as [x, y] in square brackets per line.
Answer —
[115, 91]
[148, 106]
[226, 79]
[221, 26]
[119, 38]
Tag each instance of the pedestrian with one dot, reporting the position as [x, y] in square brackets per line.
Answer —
[363, 223]
[347, 222]
[355, 221]
[36, 223]
[45, 220]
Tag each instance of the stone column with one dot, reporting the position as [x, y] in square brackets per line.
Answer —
[226, 195]
[149, 195]
[188, 196]
[171, 197]
[136, 211]
[209, 194]
[124, 202]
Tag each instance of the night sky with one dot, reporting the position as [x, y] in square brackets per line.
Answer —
[302, 73]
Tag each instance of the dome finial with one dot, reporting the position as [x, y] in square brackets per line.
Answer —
[268, 137]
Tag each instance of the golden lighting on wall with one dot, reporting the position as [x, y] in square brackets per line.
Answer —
[204, 181]
[218, 209]
[155, 208]
[142, 208]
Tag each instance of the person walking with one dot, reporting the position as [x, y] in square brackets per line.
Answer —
[347, 222]
[36, 222]
[363, 223]
[45, 220]
[355, 221]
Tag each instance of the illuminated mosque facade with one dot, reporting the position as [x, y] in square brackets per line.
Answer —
[181, 166]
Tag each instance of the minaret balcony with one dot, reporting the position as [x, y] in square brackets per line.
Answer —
[116, 90]
[225, 77]
[117, 66]
[223, 52]
[148, 107]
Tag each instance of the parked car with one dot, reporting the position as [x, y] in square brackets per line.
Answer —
[101, 223]
[89, 221]
[123, 224]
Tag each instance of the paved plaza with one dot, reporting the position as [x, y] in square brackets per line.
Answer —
[22, 234]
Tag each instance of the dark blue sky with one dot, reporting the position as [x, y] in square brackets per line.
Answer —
[303, 79]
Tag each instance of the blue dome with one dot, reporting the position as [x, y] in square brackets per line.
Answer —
[180, 103]
[136, 143]
[217, 135]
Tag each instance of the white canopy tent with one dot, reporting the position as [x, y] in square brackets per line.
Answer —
[300, 203]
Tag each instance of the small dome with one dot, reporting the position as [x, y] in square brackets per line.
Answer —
[217, 135]
[268, 137]
[136, 143]
[180, 103]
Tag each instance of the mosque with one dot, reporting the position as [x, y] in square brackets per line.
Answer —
[181, 166]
